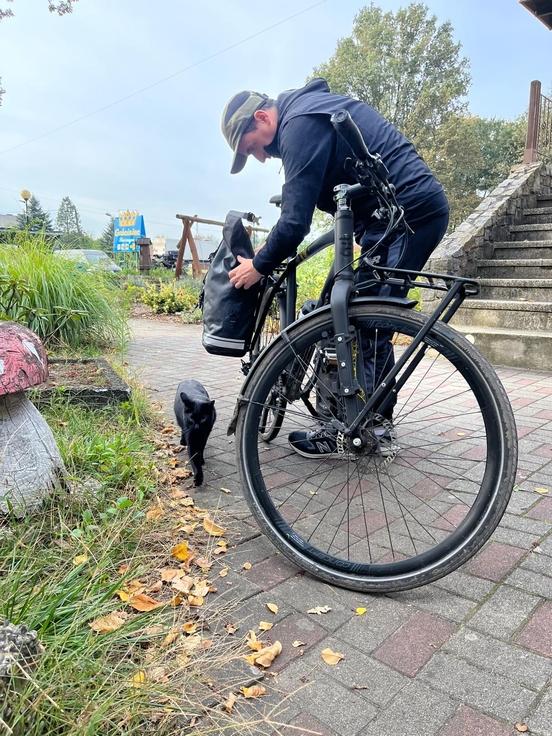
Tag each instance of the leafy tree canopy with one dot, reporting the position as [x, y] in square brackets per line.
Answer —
[68, 219]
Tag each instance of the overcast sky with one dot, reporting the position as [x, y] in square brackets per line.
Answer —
[160, 151]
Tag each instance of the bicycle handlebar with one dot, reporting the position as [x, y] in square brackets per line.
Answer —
[348, 130]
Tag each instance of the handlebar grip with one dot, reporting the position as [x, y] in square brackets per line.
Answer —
[348, 130]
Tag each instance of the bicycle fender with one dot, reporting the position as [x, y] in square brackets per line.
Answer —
[394, 301]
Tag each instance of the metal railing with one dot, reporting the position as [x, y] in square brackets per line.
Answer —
[539, 125]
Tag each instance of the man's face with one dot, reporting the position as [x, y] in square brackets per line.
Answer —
[254, 142]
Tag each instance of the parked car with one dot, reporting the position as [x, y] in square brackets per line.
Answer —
[89, 257]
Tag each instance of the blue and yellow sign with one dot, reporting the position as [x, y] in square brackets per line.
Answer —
[129, 226]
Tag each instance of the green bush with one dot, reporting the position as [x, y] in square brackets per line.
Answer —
[311, 275]
[64, 304]
[172, 298]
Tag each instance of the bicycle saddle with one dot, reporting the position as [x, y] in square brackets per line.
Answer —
[276, 199]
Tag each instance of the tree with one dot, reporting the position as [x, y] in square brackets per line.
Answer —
[68, 220]
[405, 65]
[35, 218]
[106, 238]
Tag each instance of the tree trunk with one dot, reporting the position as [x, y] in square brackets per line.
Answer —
[30, 463]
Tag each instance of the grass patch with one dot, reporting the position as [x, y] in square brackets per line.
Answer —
[66, 305]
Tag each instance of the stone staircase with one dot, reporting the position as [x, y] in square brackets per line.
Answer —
[507, 245]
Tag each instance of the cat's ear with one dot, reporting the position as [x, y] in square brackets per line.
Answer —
[188, 403]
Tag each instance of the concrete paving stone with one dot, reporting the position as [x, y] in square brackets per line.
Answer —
[371, 679]
[304, 723]
[411, 646]
[231, 590]
[511, 661]
[295, 627]
[469, 722]
[248, 613]
[531, 582]
[476, 687]
[537, 562]
[524, 523]
[436, 600]
[254, 550]
[545, 546]
[467, 586]
[383, 617]
[304, 592]
[417, 710]
[271, 572]
[343, 710]
[542, 510]
[540, 722]
[504, 612]
[515, 538]
[495, 561]
[537, 633]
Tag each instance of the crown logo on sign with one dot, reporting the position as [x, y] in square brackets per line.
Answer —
[127, 218]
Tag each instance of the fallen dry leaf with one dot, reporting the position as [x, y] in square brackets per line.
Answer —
[181, 552]
[155, 512]
[176, 600]
[331, 657]
[229, 703]
[203, 563]
[211, 528]
[156, 587]
[123, 595]
[255, 691]
[224, 572]
[110, 622]
[201, 588]
[181, 473]
[298, 643]
[190, 627]
[360, 611]
[167, 430]
[252, 641]
[230, 628]
[143, 602]
[183, 584]
[138, 679]
[542, 490]
[265, 657]
[195, 600]
[319, 610]
[247, 566]
[226, 490]
[521, 727]
[265, 625]
[170, 573]
[171, 637]
[272, 607]
[80, 559]
[123, 569]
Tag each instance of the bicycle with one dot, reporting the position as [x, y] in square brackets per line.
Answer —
[405, 501]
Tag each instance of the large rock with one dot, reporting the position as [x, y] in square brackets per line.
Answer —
[30, 463]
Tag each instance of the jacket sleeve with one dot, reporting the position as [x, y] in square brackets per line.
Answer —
[307, 145]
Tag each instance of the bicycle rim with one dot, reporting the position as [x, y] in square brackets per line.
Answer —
[393, 517]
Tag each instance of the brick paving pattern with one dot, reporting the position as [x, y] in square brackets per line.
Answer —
[469, 655]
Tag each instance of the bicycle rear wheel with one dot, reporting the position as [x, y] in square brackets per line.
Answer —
[397, 514]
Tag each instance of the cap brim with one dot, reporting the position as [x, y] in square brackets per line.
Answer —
[238, 163]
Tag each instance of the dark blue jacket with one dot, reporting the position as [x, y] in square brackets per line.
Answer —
[313, 157]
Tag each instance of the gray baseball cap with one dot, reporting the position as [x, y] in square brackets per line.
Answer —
[236, 117]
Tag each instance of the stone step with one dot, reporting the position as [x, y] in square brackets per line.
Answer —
[538, 215]
[526, 290]
[523, 249]
[515, 268]
[516, 348]
[544, 200]
[531, 232]
[509, 314]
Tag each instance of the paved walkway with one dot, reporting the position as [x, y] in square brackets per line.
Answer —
[470, 655]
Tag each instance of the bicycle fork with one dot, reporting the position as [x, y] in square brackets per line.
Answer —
[344, 333]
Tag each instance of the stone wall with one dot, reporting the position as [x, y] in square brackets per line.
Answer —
[472, 239]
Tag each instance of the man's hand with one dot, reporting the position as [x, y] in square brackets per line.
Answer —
[244, 275]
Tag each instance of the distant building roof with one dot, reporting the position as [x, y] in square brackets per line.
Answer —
[542, 9]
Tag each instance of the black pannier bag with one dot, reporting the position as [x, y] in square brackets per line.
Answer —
[229, 313]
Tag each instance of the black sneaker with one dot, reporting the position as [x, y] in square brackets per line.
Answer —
[320, 442]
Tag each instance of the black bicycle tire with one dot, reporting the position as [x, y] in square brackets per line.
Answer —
[486, 377]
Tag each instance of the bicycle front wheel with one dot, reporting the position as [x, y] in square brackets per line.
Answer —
[429, 485]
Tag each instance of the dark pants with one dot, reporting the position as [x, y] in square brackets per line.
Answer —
[408, 251]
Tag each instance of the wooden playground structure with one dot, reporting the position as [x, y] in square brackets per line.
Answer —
[187, 237]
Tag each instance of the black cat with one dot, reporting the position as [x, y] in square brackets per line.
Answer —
[195, 414]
